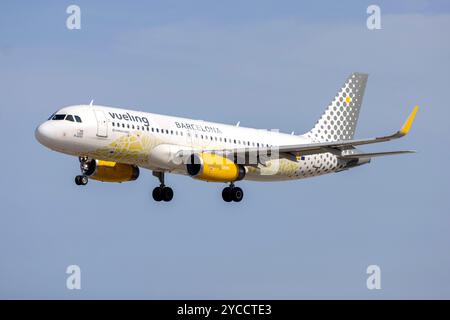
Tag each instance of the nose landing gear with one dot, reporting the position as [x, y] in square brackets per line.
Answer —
[162, 193]
[81, 180]
[232, 193]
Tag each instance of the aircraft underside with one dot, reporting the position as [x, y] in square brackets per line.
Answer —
[109, 170]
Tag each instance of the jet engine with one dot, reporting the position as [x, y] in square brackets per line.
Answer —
[108, 171]
[214, 168]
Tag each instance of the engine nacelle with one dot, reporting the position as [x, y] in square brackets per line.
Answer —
[108, 171]
[214, 168]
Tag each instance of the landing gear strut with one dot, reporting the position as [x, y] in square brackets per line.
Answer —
[161, 193]
[232, 193]
[83, 179]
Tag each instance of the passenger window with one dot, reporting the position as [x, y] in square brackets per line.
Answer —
[123, 125]
[113, 124]
[78, 119]
[59, 117]
[69, 118]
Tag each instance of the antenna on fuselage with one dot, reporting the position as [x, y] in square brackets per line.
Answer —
[92, 102]
[292, 133]
[237, 124]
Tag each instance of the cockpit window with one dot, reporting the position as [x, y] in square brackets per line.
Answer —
[59, 117]
[67, 117]
[51, 117]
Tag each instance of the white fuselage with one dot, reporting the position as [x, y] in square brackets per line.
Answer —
[151, 141]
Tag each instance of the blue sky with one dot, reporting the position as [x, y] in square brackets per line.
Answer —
[268, 64]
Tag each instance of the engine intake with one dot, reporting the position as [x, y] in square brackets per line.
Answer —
[214, 168]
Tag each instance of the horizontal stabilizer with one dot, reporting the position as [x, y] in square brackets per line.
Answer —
[374, 154]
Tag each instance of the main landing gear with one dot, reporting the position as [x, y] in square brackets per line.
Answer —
[161, 193]
[232, 193]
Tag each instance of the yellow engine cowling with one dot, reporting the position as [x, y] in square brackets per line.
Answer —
[108, 171]
[214, 168]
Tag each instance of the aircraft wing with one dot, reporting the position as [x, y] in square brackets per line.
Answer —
[323, 147]
[342, 148]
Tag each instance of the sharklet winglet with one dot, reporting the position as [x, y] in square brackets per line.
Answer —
[407, 125]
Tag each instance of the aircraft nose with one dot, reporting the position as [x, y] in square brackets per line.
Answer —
[45, 134]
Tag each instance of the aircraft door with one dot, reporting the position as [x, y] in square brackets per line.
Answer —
[102, 124]
[190, 138]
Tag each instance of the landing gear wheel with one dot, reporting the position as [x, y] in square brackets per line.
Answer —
[232, 193]
[167, 194]
[162, 193]
[81, 180]
[157, 194]
[226, 194]
[237, 194]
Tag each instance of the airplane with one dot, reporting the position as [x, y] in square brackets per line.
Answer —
[112, 144]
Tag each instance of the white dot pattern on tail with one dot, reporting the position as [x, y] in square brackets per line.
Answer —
[338, 122]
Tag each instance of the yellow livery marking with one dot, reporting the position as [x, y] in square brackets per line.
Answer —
[348, 99]
[104, 163]
[407, 125]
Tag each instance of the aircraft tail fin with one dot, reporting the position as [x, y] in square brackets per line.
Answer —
[339, 120]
